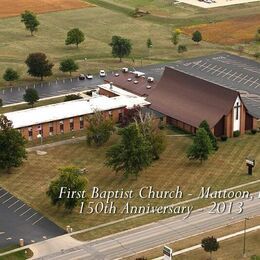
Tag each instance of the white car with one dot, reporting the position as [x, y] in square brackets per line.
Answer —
[89, 76]
[102, 73]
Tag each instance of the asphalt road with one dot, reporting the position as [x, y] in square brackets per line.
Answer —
[18, 220]
[159, 233]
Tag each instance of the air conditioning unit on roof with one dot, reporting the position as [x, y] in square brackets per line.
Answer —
[150, 79]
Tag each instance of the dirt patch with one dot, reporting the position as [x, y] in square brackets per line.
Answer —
[16, 7]
[233, 31]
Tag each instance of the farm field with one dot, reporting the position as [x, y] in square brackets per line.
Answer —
[224, 169]
[16, 7]
[238, 30]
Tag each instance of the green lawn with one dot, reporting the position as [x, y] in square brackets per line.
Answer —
[19, 255]
[224, 169]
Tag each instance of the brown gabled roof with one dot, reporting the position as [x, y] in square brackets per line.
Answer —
[190, 99]
[139, 89]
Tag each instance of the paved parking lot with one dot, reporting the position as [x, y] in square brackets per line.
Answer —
[18, 220]
[229, 71]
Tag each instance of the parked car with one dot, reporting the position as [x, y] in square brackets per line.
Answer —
[89, 76]
[102, 73]
[82, 77]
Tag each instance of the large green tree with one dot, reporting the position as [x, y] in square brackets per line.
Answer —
[210, 244]
[121, 47]
[149, 127]
[204, 124]
[10, 75]
[99, 128]
[70, 178]
[12, 145]
[68, 65]
[132, 154]
[39, 65]
[201, 147]
[31, 96]
[30, 21]
[75, 36]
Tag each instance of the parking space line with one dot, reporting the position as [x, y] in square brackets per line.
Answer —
[3, 195]
[25, 212]
[13, 204]
[31, 216]
[37, 220]
[7, 200]
[242, 78]
[20, 207]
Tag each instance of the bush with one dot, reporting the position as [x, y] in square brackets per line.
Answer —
[224, 138]
[236, 133]
[72, 97]
[253, 131]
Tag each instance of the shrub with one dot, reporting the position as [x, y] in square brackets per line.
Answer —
[72, 97]
[253, 131]
[236, 133]
[224, 138]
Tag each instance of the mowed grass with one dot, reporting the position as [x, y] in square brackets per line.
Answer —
[231, 249]
[224, 169]
[99, 25]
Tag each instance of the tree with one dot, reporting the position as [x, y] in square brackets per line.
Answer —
[70, 178]
[1, 102]
[31, 96]
[30, 21]
[99, 129]
[149, 45]
[210, 244]
[132, 154]
[204, 124]
[149, 128]
[182, 48]
[10, 75]
[68, 65]
[201, 147]
[39, 65]
[75, 36]
[121, 47]
[257, 35]
[175, 36]
[12, 145]
[129, 115]
[196, 36]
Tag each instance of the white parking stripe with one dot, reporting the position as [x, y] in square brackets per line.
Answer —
[20, 207]
[37, 220]
[7, 200]
[25, 212]
[13, 204]
[31, 216]
[3, 195]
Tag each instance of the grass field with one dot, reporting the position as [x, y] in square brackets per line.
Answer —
[16, 7]
[238, 30]
[16, 43]
[224, 169]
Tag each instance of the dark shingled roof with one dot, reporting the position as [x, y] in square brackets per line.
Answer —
[190, 99]
[139, 89]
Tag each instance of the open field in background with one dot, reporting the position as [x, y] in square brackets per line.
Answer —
[16, 7]
[223, 253]
[15, 43]
[224, 169]
[233, 31]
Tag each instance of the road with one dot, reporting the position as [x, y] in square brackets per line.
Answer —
[65, 86]
[155, 234]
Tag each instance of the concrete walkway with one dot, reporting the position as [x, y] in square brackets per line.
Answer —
[219, 239]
